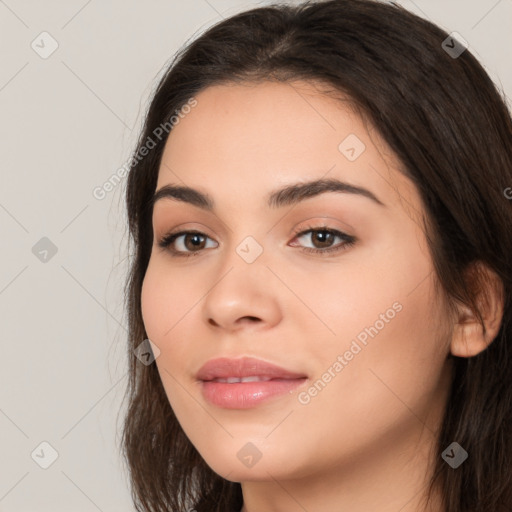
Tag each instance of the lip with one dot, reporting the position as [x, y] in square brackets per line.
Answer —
[224, 367]
[244, 395]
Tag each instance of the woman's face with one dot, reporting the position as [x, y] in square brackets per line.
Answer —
[360, 321]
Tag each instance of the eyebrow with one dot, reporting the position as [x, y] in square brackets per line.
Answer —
[288, 195]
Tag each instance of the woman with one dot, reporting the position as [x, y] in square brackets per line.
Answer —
[322, 240]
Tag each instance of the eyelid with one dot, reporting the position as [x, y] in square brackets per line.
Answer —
[183, 227]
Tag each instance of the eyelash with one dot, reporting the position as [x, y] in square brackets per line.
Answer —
[349, 241]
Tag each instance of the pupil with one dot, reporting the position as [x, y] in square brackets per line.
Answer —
[196, 239]
[324, 234]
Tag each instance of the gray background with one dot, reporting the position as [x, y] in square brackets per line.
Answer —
[67, 123]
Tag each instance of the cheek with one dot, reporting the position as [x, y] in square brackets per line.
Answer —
[393, 355]
[389, 329]
[393, 383]
[166, 298]
[351, 297]
[154, 303]
[170, 305]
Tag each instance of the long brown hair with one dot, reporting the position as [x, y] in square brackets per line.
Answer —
[450, 127]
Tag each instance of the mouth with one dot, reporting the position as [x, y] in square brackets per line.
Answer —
[245, 382]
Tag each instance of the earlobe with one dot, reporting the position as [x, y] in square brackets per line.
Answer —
[469, 337]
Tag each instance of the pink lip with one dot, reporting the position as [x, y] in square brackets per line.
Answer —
[243, 395]
[223, 367]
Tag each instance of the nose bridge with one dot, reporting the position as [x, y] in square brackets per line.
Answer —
[250, 249]
[246, 236]
[244, 260]
[242, 287]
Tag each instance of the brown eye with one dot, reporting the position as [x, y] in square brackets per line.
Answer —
[193, 241]
[184, 243]
[322, 239]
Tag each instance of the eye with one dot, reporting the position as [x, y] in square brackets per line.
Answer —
[192, 240]
[324, 237]
[191, 243]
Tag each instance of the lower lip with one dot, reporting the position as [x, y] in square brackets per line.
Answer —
[244, 395]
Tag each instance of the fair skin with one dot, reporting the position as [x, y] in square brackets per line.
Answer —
[365, 441]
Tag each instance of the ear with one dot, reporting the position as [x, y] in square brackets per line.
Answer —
[469, 338]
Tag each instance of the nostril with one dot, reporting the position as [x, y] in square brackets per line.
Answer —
[244, 319]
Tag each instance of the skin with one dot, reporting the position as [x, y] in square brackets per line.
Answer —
[364, 442]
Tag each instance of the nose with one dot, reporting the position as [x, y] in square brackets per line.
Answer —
[245, 296]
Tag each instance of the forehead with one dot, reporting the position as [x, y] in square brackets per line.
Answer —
[259, 120]
[256, 136]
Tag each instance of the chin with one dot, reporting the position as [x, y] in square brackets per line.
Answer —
[247, 465]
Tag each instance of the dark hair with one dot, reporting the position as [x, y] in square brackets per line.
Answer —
[451, 129]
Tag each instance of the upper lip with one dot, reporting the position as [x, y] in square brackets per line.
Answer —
[223, 368]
